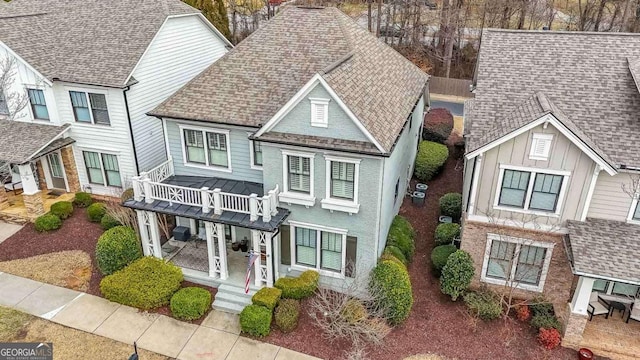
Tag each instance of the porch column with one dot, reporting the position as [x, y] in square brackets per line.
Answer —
[263, 269]
[70, 169]
[214, 263]
[222, 252]
[149, 233]
[255, 245]
[31, 193]
[275, 250]
[581, 296]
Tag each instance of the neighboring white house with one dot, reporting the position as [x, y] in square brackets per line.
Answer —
[99, 66]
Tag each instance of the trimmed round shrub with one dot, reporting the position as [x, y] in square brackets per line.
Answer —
[354, 311]
[431, 156]
[549, 338]
[438, 124]
[390, 282]
[82, 199]
[267, 297]
[255, 320]
[62, 209]
[47, 222]
[445, 233]
[107, 222]
[457, 274]
[147, 283]
[117, 248]
[440, 255]
[396, 253]
[287, 314]
[190, 303]
[545, 321]
[401, 235]
[483, 304]
[96, 211]
[451, 205]
[300, 287]
[388, 256]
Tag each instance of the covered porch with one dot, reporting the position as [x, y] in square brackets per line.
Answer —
[604, 256]
[37, 169]
[219, 214]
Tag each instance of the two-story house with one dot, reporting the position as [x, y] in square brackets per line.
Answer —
[551, 170]
[301, 140]
[93, 69]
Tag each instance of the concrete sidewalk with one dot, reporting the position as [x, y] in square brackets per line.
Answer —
[217, 338]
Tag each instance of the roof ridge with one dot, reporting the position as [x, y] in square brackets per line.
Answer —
[562, 32]
[544, 102]
[23, 15]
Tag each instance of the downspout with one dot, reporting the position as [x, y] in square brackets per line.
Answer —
[133, 141]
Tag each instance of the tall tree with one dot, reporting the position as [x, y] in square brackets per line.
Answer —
[215, 11]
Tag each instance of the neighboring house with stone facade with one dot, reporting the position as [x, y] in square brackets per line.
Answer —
[551, 173]
[300, 141]
[92, 69]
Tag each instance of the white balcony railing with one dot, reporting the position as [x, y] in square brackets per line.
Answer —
[148, 187]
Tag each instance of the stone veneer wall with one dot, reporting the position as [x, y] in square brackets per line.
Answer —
[70, 169]
[4, 199]
[573, 329]
[557, 287]
[34, 205]
[42, 181]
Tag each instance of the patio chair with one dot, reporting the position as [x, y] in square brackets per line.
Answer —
[596, 307]
[634, 314]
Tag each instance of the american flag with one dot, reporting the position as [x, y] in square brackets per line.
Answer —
[253, 256]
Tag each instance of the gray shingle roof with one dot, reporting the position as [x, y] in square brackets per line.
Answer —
[21, 140]
[84, 41]
[254, 80]
[606, 248]
[320, 142]
[585, 76]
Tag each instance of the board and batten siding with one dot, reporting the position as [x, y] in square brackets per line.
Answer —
[564, 156]
[182, 49]
[609, 200]
[361, 225]
[399, 166]
[112, 139]
[239, 147]
[340, 126]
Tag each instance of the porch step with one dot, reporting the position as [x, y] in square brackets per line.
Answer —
[232, 299]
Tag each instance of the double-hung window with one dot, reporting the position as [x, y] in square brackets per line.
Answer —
[318, 248]
[341, 184]
[90, 107]
[530, 190]
[298, 178]
[209, 148]
[256, 153]
[299, 174]
[4, 108]
[342, 180]
[521, 262]
[102, 169]
[38, 104]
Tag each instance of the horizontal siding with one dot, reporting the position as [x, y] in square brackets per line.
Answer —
[240, 156]
[609, 200]
[114, 139]
[183, 48]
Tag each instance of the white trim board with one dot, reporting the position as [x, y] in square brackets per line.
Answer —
[301, 94]
[561, 128]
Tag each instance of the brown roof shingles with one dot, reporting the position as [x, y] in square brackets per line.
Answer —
[253, 81]
[21, 140]
[585, 76]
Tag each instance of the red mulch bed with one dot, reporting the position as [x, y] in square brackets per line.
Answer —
[76, 233]
[436, 324]
[166, 310]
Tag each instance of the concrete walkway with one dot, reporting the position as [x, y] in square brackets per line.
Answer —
[6, 230]
[217, 338]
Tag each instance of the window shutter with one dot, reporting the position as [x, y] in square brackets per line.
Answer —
[285, 245]
[350, 266]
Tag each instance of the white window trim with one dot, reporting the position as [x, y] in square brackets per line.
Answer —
[104, 172]
[319, 122]
[30, 106]
[86, 95]
[535, 139]
[338, 204]
[632, 210]
[205, 130]
[292, 197]
[319, 229]
[519, 242]
[251, 155]
[534, 171]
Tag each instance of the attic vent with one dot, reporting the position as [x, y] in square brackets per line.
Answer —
[320, 112]
[540, 147]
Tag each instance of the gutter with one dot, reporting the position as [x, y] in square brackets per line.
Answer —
[133, 141]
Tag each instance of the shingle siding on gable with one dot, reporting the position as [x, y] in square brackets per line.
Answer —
[609, 200]
[564, 155]
[298, 120]
[182, 49]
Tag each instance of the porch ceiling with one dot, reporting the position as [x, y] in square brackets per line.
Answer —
[605, 248]
[22, 140]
